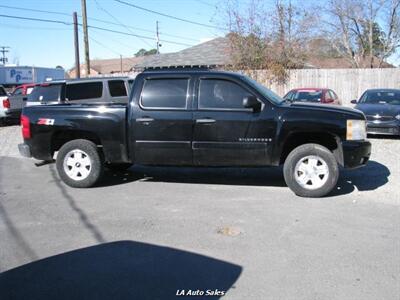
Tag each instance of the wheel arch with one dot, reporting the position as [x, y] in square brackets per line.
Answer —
[326, 139]
[62, 137]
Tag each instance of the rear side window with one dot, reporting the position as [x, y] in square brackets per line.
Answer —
[221, 94]
[45, 93]
[85, 90]
[165, 93]
[117, 88]
[2, 91]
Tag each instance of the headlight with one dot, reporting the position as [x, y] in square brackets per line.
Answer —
[356, 130]
[397, 117]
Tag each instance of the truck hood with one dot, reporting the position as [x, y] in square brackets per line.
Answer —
[326, 107]
[380, 109]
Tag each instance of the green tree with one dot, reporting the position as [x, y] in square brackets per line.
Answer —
[144, 52]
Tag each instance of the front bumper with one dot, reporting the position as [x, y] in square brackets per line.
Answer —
[24, 150]
[383, 127]
[356, 153]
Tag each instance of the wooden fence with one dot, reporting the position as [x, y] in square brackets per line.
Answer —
[349, 84]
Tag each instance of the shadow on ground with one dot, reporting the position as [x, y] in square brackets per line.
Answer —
[118, 270]
[370, 177]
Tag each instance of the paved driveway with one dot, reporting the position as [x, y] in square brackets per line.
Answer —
[147, 233]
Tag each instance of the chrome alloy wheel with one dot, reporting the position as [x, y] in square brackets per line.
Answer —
[311, 172]
[77, 165]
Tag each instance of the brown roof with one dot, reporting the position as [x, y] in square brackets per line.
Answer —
[112, 65]
[211, 53]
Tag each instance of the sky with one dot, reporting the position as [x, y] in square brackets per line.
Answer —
[51, 44]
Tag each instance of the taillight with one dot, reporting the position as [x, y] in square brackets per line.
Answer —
[26, 127]
[6, 103]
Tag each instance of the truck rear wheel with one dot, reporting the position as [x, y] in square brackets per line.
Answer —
[79, 163]
[311, 170]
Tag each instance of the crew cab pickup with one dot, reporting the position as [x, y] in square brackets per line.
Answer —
[199, 118]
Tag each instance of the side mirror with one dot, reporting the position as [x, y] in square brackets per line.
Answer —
[252, 102]
[353, 101]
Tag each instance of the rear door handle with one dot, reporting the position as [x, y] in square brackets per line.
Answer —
[145, 120]
[205, 121]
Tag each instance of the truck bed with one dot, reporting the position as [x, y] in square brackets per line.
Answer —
[105, 122]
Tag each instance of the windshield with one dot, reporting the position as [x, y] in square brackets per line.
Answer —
[308, 96]
[381, 97]
[267, 93]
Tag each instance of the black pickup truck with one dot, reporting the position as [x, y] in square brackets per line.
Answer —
[199, 118]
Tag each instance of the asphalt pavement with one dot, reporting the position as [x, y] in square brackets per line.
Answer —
[152, 233]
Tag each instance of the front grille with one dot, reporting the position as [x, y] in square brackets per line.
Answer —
[381, 118]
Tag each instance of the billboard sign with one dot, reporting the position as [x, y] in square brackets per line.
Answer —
[19, 75]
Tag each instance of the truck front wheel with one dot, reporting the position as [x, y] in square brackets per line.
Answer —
[79, 163]
[311, 170]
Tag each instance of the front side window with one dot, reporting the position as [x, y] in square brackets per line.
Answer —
[117, 88]
[86, 90]
[165, 93]
[221, 94]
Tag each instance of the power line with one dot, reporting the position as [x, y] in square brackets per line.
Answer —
[36, 19]
[101, 8]
[97, 20]
[169, 16]
[91, 26]
[137, 35]
[4, 50]
[109, 49]
[206, 3]
[32, 27]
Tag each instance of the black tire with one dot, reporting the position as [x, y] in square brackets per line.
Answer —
[300, 153]
[119, 167]
[96, 163]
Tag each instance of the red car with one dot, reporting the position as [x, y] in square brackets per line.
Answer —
[24, 89]
[17, 99]
[314, 95]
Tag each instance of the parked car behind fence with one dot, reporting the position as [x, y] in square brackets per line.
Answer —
[315, 95]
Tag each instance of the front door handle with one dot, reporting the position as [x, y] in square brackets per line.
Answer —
[205, 121]
[145, 120]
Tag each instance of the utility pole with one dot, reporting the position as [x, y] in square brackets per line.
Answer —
[4, 50]
[76, 45]
[157, 38]
[120, 61]
[85, 37]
